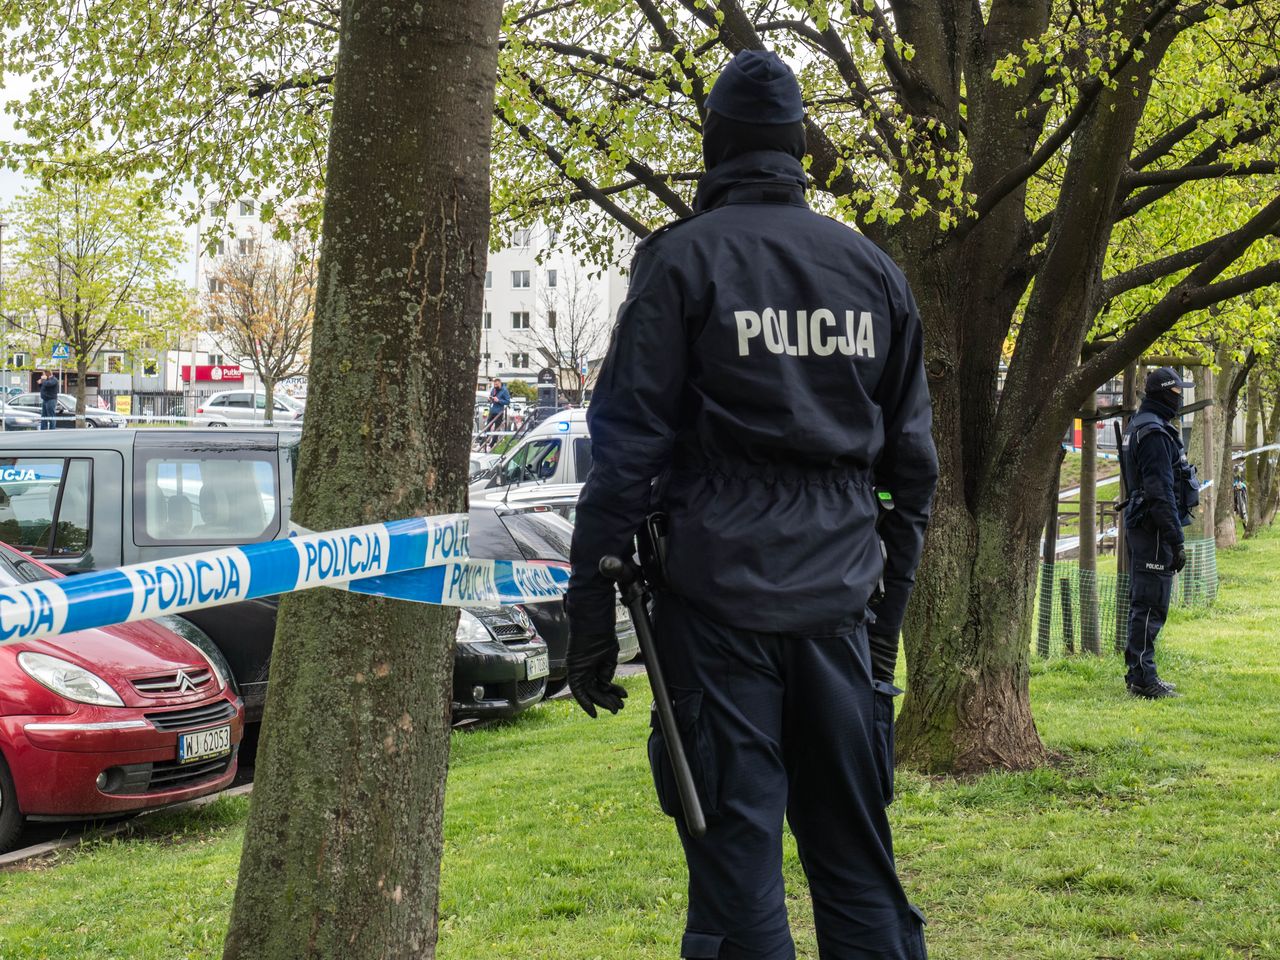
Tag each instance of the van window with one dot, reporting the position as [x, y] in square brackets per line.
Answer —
[581, 458]
[200, 497]
[536, 460]
[45, 505]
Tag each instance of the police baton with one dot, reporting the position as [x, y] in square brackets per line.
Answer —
[631, 585]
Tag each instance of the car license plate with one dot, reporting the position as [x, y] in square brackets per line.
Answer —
[536, 665]
[204, 744]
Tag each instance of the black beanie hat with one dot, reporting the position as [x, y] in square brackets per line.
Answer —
[757, 87]
[1165, 387]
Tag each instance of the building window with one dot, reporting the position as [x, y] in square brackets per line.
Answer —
[18, 360]
[488, 320]
[215, 285]
[551, 278]
[115, 363]
[551, 319]
[520, 361]
[553, 236]
[520, 320]
[217, 209]
[520, 279]
[150, 368]
[246, 208]
[216, 360]
[245, 246]
[520, 238]
[488, 279]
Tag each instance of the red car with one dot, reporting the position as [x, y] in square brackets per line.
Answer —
[108, 721]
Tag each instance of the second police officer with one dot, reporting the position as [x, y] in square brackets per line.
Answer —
[1162, 492]
[767, 371]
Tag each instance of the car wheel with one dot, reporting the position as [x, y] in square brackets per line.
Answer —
[10, 816]
[89, 423]
[214, 423]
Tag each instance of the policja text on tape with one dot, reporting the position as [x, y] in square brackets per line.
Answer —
[422, 559]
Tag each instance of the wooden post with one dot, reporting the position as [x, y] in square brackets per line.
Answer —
[1047, 560]
[1068, 628]
[1089, 626]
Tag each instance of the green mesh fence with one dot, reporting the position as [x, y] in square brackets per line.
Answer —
[1083, 611]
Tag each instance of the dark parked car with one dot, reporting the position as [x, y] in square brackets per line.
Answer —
[93, 501]
[538, 534]
[93, 416]
[20, 418]
[109, 721]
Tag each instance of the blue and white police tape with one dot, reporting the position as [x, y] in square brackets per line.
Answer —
[423, 559]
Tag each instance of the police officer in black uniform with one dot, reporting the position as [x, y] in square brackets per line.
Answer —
[767, 372]
[1163, 490]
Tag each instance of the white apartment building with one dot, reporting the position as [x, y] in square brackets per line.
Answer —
[534, 282]
[528, 286]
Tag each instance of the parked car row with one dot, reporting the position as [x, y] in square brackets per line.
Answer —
[28, 406]
[142, 715]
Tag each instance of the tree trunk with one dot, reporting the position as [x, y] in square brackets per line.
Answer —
[1228, 397]
[1201, 450]
[1271, 468]
[1090, 628]
[82, 377]
[269, 412]
[342, 850]
[1252, 439]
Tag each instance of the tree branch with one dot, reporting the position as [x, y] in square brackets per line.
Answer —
[1194, 292]
[586, 187]
[1165, 143]
[1205, 171]
[1089, 92]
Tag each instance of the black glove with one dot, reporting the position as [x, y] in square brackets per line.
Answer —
[1179, 557]
[592, 664]
[884, 655]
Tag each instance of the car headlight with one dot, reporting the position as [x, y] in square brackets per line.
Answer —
[471, 630]
[68, 680]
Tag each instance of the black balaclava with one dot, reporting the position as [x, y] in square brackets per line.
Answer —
[1163, 389]
[723, 138]
[754, 105]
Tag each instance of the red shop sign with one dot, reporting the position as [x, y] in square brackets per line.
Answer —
[216, 374]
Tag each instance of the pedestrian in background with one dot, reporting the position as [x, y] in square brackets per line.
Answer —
[50, 387]
[767, 371]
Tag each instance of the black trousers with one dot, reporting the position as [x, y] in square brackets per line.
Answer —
[1150, 587]
[783, 725]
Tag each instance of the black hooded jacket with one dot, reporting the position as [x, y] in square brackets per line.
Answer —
[1151, 462]
[767, 365]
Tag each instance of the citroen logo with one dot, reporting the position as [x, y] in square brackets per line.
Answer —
[184, 682]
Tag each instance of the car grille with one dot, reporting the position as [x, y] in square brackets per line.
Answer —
[170, 684]
[509, 631]
[201, 716]
[136, 778]
[530, 688]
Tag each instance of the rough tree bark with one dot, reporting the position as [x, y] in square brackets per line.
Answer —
[342, 851]
[1230, 383]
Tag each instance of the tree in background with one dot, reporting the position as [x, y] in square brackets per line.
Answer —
[342, 850]
[95, 266]
[261, 306]
[571, 331]
[1034, 167]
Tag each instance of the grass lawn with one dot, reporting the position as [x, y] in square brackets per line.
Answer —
[1154, 834]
